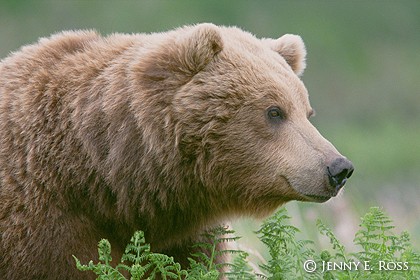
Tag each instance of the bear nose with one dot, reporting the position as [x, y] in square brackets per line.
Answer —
[339, 171]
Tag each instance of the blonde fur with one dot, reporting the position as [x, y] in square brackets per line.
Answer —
[164, 132]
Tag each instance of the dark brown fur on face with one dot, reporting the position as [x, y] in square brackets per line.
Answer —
[165, 132]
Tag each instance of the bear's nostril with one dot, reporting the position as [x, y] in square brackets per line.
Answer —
[342, 175]
[339, 171]
[350, 173]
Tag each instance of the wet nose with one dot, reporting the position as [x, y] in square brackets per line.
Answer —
[339, 171]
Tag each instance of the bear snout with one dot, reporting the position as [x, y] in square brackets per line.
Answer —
[338, 172]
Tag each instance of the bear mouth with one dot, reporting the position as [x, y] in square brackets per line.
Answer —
[322, 197]
[317, 198]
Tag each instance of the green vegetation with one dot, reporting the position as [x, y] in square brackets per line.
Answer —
[381, 255]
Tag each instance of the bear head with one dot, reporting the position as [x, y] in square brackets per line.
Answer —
[239, 114]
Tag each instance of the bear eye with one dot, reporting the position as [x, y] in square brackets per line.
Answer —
[275, 113]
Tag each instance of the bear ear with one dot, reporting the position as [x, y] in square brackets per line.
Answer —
[200, 45]
[178, 59]
[292, 49]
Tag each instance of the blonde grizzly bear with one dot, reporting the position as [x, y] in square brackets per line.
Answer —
[170, 133]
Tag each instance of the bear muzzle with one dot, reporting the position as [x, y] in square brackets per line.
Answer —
[337, 172]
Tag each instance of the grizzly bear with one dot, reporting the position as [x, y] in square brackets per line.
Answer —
[170, 133]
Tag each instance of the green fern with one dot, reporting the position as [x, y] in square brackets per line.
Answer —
[143, 263]
[214, 238]
[379, 247]
[287, 254]
[382, 249]
[198, 271]
[375, 238]
[339, 256]
[103, 270]
[240, 269]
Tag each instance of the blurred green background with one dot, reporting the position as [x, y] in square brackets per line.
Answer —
[362, 76]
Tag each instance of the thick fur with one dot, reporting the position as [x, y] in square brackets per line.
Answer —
[166, 132]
